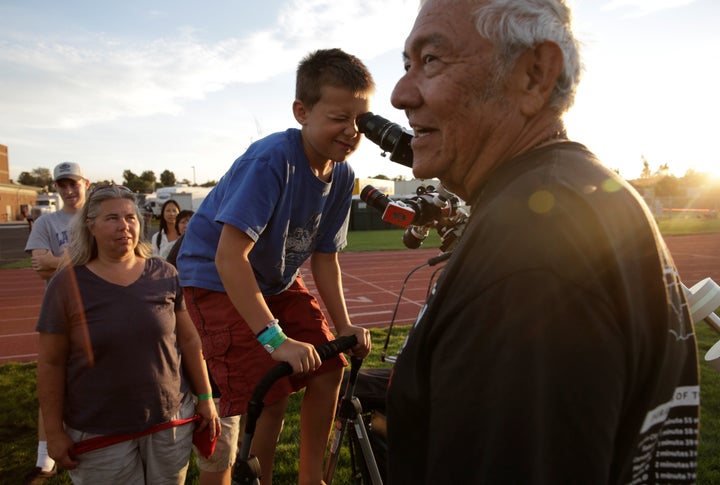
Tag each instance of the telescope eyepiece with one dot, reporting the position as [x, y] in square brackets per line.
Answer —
[390, 137]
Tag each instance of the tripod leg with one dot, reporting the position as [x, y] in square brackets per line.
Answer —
[364, 441]
[340, 426]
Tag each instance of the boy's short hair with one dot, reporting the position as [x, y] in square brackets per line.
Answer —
[330, 67]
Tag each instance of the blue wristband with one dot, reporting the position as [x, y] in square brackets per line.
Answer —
[267, 327]
[269, 333]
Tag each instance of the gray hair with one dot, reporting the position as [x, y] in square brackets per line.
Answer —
[82, 247]
[514, 26]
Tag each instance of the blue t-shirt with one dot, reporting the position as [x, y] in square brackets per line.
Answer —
[272, 195]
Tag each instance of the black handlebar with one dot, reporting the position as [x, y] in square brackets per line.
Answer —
[255, 406]
[326, 351]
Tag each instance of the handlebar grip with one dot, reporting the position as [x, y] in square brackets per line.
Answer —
[326, 351]
[335, 347]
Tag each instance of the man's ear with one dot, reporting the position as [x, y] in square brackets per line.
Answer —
[300, 112]
[539, 69]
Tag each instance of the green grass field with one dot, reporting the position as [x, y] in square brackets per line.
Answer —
[18, 407]
[687, 223]
[18, 423]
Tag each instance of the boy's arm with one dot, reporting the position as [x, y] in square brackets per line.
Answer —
[44, 263]
[238, 278]
[328, 279]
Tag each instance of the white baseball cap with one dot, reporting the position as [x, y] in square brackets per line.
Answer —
[68, 170]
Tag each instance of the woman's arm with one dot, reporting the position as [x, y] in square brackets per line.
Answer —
[196, 370]
[52, 364]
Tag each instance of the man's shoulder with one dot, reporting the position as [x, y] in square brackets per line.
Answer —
[54, 218]
[39, 234]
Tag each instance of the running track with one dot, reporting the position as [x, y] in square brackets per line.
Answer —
[372, 280]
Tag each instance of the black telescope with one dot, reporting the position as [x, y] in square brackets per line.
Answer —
[390, 137]
[419, 211]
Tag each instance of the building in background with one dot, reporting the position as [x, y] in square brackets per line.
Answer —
[15, 200]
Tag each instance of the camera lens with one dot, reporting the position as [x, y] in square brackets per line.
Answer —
[374, 198]
[414, 236]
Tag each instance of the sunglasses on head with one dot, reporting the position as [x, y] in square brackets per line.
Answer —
[100, 188]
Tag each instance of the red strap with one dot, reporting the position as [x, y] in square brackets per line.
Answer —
[98, 442]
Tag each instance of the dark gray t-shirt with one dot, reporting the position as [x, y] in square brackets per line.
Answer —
[124, 371]
[556, 347]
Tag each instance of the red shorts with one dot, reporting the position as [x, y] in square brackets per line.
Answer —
[234, 357]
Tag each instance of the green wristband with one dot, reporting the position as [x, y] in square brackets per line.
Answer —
[271, 332]
[275, 342]
[204, 397]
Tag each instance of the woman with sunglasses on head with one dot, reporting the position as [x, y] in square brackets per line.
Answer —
[119, 353]
[163, 240]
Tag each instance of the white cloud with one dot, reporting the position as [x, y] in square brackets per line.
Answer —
[102, 80]
[112, 100]
[83, 81]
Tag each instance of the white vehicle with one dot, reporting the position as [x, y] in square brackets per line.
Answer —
[45, 203]
[188, 198]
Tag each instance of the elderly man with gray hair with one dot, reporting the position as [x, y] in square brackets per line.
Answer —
[557, 346]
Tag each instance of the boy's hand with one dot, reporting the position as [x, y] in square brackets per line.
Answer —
[362, 349]
[43, 260]
[301, 356]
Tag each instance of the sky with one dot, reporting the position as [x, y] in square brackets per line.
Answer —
[186, 86]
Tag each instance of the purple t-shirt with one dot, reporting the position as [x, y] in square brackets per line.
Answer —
[132, 377]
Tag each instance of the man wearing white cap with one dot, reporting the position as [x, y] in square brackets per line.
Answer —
[46, 244]
[50, 232]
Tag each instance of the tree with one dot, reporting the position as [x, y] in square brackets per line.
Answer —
[693, 178]
[148, 176]
[26, 178]
[167, 178]
[668, 186]
[143, 184]
[663, 170]
[646, 172]
[39, 177]
[132, 181]
[149, 181]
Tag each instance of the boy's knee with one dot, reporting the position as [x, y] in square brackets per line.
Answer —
[329, 380]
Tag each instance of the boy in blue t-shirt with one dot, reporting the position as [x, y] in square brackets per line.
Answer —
[286, 199]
